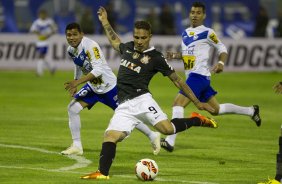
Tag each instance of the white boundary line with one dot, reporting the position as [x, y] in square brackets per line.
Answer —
[81, 162]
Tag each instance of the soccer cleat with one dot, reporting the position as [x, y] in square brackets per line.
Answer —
[256, 117]
[96, 176]
[205, 121]
[270, 181]
[165, 145]
[156, 145]
[72, 150]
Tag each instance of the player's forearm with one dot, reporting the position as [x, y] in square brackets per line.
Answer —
[177, 55]
[179, 83]
[85, 78]
[222, 57]
[111, 35]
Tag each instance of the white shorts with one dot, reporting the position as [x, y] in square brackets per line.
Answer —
[140, 109]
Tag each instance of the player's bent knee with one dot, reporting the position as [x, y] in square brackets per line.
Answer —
[167, 132]
[165, 127]
[215, 113]
[114, 136]
[74, 108]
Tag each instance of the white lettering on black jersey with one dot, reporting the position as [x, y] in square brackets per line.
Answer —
[137, 69]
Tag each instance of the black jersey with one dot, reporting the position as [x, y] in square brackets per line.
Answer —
[137, 69]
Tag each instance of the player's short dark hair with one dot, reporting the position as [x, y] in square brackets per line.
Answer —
[199, 5]
[142, 24]
[73, 25]
[43, 11]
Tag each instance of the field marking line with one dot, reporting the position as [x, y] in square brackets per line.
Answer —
[80, 160]
[39, 169]
[159, 179]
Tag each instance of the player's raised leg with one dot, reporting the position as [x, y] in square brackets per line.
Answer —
[252, 111]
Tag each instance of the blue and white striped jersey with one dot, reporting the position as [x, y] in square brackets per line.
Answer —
[196, 45]
[87, 58]
[44, 28]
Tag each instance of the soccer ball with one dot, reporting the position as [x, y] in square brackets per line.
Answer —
[146, 169]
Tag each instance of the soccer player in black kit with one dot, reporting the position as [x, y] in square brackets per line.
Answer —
[139, 63]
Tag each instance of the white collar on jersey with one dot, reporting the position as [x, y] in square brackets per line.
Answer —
[149, 49]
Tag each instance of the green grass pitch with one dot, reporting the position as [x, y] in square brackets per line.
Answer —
[34, 129]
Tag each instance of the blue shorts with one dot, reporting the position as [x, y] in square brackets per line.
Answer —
[200, 85]
[87, 95]
[42, 50]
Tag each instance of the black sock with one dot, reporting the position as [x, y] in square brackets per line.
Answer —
[278, 177]
[107, 156]
[182, 124]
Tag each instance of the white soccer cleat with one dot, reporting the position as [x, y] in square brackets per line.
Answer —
[156, 143]
[72, 150]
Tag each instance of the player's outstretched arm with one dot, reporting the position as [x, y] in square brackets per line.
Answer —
[178, 82]
[173, 55]
[110, 33]
[218, 68]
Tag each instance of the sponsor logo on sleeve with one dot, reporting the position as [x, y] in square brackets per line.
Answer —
[214, 38]
[96, 52]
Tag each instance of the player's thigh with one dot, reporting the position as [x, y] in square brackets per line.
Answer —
[83, 104]
[181, 100]
[214, 104]
[149, 111]
[86, 95]
[122, 121]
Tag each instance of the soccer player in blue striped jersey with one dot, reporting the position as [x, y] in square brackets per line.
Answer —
[44, 27]
[197, 41]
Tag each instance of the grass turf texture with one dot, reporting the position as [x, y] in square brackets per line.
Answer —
[33, 113]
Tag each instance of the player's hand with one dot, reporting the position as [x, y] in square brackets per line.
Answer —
[278, 88]
[72, 91]
[218, 68]
[102, 15]
[71, 87]
[205, 106]
[169, 55]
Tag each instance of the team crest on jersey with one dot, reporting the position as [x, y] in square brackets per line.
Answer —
[81, 56]
[135, 55]
[145, 59]
[213, 38]
[195, 37]
[191, 33]
[88, 55]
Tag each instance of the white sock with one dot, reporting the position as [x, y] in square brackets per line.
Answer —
[40, 67]
[74, 109]
[177, 112]
[229, 108]
[147, 131]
